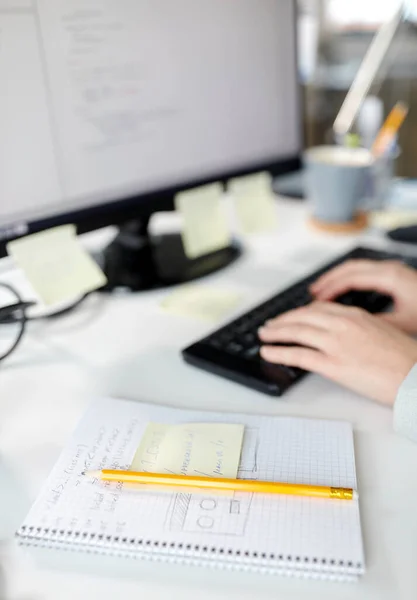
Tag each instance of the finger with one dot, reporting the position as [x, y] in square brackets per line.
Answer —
[348, 267]
[374, 280]
[318, 314]
[303, 358]
[395, 320]
[379, 276]
[305, 335]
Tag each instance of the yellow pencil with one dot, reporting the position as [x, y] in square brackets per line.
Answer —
[226, 485]
[389, 129]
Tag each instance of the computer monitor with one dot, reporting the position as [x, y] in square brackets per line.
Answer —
[108, 109]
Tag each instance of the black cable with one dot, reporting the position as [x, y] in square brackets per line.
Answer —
[13, 318]
[61, 312]
[18, 314]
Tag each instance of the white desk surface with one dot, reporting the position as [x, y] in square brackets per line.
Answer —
[127, 346]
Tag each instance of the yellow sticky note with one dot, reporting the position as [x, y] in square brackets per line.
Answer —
[201, 302]
[255, 202]
[391, 219]
[205, 227]
[56, 265]
[197, 449]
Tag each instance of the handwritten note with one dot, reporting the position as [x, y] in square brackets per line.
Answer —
[56, 265]
[254, 202]
[201, 302]
[199, 449]
[205, 227]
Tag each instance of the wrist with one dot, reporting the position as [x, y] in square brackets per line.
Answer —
[405, 407]
[401, 370]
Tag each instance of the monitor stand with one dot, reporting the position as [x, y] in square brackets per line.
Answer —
[137, 261]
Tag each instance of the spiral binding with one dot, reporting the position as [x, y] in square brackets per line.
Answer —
[195, 554]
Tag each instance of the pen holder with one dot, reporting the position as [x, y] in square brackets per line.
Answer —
[381, 179]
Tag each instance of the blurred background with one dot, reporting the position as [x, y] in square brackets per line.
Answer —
[334, 36]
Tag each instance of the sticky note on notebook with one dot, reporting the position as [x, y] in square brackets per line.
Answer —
[201, 302]
[196, 449]
[56, 265]
[205, 226]
[255, 202]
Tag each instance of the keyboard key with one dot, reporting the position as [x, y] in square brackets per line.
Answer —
[248, 339]
[234, 348]
[225, 336]
[256, 324]
[299, 303]
[346, 300]
[276, 308]
[215, 343]
[289, 371]
[243, 326]
[260, 315]
[295, 372]
[252, 353]
[373, 297]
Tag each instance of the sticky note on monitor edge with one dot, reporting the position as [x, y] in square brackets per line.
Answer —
[254, 202]
[194, 449]
[56, 265]
[205, 226]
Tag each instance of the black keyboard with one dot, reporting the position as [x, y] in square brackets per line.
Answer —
[233, 350]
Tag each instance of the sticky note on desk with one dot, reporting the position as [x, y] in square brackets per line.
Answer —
[393, 218]
[205, 226]
[201, 302]
[197, 449]
[56, 265]
[255, 202]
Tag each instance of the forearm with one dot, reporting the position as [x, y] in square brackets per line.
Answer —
[405, 407]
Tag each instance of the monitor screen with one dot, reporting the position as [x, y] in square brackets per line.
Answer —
[106, 99]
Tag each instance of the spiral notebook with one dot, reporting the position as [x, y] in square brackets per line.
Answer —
[304, 537]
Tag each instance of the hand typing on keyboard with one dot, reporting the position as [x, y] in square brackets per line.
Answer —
[364, 278]
[368, 354]
[388, 277]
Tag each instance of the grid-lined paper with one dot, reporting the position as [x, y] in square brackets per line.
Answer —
[288, 533]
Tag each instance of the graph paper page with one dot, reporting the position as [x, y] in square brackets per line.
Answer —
[306, 532]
